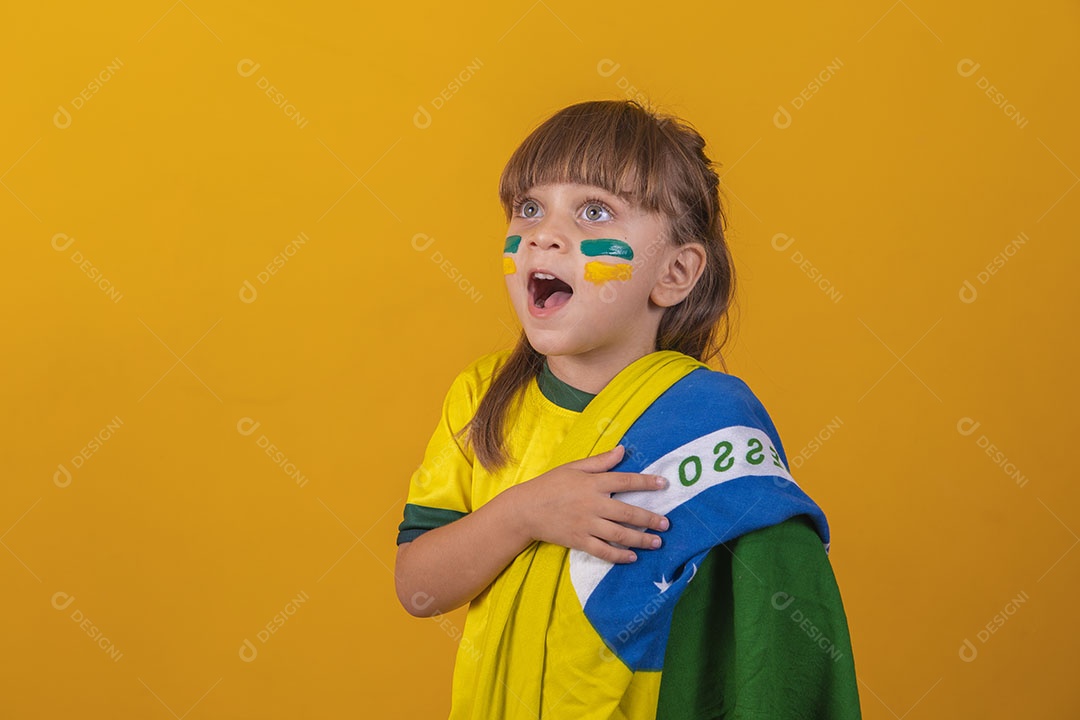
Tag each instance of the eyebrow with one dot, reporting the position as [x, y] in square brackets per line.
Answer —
[622, 197]
[625, 197]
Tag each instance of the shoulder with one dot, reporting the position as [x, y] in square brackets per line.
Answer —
[724, 381]
[485, 366]
[732, 390]
[706, 400]
[473, 381]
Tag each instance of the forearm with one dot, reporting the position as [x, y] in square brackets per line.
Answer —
[448, 566]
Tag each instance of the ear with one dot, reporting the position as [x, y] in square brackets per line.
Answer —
[683, 266]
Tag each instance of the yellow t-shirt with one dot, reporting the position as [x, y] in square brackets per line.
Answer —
[450, 482]
[450, 479]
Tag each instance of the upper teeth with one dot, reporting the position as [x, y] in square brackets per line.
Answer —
[543, 276]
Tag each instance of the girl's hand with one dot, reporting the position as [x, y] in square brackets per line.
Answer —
[571, 505]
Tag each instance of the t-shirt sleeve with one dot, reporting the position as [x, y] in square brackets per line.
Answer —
[761, 633]
[440, 490]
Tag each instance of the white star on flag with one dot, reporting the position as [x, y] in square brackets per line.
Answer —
[664, 583]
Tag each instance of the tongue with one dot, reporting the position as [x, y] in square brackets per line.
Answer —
[556, 299]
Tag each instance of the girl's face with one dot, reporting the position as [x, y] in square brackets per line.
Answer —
[580, 265]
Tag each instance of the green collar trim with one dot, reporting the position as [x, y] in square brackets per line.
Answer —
[560, 393]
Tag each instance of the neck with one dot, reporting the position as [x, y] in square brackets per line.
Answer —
[590, 373]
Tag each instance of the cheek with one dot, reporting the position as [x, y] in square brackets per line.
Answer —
[514, 290]
[600, 272]
[608, 247]
[510, 247]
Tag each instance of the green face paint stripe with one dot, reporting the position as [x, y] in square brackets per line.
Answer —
[512, 243]
[604, 246]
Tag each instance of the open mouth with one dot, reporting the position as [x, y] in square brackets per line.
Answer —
[547, 291]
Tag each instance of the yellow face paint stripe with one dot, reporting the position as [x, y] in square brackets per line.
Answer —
[599, 272]
[508, 266]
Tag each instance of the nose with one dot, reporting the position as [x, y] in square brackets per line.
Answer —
[549, 235]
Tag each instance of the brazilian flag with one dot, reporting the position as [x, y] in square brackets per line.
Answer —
[736, 615]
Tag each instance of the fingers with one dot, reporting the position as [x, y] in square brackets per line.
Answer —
[599, 548]
[627, 481]
[600, 462]
[613, 542]
[613, 532]
[620, 512]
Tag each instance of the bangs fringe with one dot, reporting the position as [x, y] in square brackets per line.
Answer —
[607, 145]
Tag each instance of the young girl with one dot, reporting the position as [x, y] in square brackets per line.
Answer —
[618, 515]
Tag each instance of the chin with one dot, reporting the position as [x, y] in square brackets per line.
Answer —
[548, 342]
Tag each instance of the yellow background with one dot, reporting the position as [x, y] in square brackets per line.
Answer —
[180, 180]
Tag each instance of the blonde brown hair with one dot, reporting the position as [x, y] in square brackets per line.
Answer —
[654, 160]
